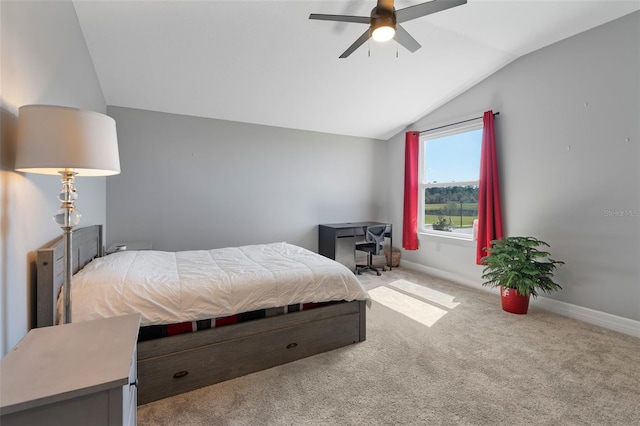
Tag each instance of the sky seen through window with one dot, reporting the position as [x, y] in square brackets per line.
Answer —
[454, 158]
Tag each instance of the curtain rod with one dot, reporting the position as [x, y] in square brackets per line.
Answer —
[453, 124]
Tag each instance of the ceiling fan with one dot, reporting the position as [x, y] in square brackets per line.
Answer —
[384, 22]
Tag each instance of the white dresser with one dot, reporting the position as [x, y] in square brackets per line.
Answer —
[74, 374]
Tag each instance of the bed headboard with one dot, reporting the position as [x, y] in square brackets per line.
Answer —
[86, 244]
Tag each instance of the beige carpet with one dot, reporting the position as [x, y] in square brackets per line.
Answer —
[452, 358]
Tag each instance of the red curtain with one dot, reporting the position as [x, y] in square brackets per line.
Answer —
[489, 211]
[410, 215]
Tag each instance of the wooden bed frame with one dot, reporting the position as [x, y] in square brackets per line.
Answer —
[177, 364]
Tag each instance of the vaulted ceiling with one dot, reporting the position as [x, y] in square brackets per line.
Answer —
[265, 62]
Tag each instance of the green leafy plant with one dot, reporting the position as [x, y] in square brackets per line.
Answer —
[517, 263]
[441, 224]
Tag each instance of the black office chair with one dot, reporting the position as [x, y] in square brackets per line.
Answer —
[374, 238]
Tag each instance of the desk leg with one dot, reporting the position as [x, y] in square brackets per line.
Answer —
[345, 252]
[391, 250]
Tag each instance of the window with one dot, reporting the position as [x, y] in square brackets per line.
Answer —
[449, 177]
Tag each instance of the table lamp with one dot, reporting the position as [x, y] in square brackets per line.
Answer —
[56, 140]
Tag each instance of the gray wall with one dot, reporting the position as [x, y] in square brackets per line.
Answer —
[196, 183]
[568, 138]
[44, 61]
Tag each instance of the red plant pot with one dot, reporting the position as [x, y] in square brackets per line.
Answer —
[513, 302]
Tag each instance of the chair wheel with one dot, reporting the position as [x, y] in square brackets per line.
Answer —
[379, 274]
[359, 272]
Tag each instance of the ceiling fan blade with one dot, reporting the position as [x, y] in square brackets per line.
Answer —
[341, 18]
[413, 12]
[359, 42]
[405, 39]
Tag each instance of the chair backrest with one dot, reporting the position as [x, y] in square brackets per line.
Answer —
[375, 234]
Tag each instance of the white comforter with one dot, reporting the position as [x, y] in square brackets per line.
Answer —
[173, 287]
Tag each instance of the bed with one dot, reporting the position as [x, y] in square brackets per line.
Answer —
[179, 363]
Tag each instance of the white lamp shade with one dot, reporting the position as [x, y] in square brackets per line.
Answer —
[54, 138]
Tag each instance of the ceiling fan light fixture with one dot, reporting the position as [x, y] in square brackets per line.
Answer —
[383, 33]
[383, 24]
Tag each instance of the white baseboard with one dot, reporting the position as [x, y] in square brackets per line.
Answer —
[602, 319]
[591, 316]
[444, 275]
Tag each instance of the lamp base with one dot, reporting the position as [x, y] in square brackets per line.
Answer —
[67, 217]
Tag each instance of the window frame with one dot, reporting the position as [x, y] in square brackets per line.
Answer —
[422, 185]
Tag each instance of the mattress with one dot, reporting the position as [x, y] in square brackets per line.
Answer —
[190, 286]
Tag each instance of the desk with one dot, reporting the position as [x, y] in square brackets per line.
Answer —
[337, 241]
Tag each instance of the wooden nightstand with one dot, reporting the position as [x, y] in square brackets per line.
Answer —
[128, 246]
[73, 374]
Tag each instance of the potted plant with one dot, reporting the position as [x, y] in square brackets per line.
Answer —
[520, 269]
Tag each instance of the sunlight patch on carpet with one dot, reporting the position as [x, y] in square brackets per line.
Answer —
[417, 310]
[442, 299]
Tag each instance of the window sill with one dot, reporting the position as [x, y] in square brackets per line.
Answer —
[447, 235]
